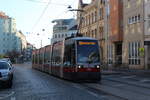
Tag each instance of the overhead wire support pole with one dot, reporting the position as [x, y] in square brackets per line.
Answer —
[80, 19]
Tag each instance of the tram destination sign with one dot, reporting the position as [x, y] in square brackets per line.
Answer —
[87, 43]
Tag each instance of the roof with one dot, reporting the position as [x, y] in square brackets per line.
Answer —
[85, 38]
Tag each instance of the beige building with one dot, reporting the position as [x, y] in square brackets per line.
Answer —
[91, 21]
[134, 34]
[122, 28]
[21, 42]
[97, 20]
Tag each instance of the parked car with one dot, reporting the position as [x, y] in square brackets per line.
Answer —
[7, 60]
[6, 74]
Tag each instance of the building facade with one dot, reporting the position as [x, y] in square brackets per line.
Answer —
[147, 33]
[28, 52]
[91, 22]
[114, 33]
[134, 34]
[103, 20]
[7, 32]
[63, 28]
[10, 38]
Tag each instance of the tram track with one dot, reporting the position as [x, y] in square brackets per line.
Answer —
[131, 88]
[129, 83]
[102, 92]
[120, 93]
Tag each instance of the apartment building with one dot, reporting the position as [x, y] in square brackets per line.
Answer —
[7, 31]
[103, 20]
[147, 33]
[114, 32]
[91, 22]
[10, 38]
[63, 28]
[134, 34]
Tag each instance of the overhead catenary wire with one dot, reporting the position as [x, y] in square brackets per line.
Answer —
[50, 2]
[35, 1]
[63, 12]
[43, 12]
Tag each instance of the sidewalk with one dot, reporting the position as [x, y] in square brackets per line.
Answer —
[110, 72]
[126, 71]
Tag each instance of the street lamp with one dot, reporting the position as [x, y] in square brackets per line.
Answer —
[40, 40]
[50, 40]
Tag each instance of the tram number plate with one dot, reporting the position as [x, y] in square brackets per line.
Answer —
[89, 69]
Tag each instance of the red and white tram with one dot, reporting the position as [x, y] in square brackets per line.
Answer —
[75, 58]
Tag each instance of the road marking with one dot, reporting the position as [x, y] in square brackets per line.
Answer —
[129, 76]
[145, 80]
[4, 97]
[92, 93]
[118, 85]
[84, 88]
[13, 98]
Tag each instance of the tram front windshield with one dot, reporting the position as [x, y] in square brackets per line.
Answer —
[88, 52]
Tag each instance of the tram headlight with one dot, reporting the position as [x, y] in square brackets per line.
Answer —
[79, 66]
[98, 66]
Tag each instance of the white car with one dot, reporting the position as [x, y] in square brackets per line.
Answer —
[6, 74]
[7, 60]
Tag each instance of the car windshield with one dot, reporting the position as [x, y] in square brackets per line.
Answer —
[4, 65]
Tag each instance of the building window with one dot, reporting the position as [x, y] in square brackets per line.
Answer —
[55, 35]
[110, 54]
[134, 58]
[130, 21]
[89, 20]
[148, 26]
[128, 4]
[62, 35]
[66, 35]
[95, 16]
[133, 21]
[58, 35]
[136, 19]
[101, 13]
[92, 18]
[139, 17]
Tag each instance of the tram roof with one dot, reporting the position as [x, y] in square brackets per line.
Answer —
[81, 38]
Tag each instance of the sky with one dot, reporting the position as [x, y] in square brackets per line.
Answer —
[35, 16]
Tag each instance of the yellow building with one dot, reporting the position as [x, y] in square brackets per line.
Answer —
[91, 22]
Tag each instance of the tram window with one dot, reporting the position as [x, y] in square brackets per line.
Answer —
[56, 55]
[46, 57]
[40, 59]
[69, 54]
[33, 59]
[36, 59]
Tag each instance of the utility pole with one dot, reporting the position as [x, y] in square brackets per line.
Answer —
[80, 18]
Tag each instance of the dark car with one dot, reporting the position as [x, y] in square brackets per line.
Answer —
[6, 74]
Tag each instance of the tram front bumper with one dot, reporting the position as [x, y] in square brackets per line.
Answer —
[83, 76]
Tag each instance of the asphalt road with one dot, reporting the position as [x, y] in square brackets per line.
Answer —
[30, 84]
